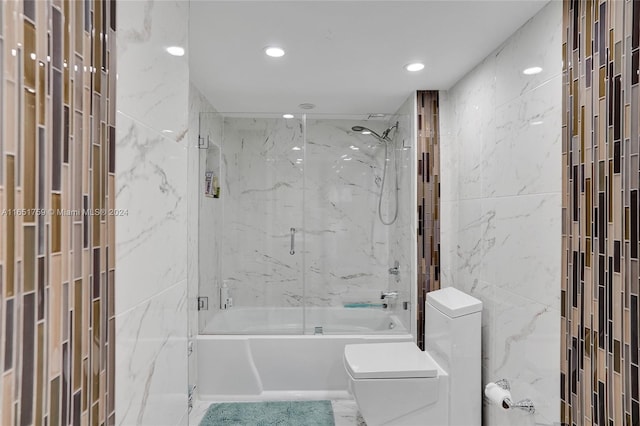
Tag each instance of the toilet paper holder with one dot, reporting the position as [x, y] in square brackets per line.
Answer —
[507, 403]
[525, 404]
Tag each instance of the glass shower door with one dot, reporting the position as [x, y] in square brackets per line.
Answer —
[250, 224]
[359, 224]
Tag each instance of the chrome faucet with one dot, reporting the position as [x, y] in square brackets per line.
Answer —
[396, 268]
[388, 295]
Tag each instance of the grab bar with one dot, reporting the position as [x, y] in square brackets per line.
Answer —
[293, 242]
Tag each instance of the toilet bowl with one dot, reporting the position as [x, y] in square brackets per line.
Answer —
[398, 384]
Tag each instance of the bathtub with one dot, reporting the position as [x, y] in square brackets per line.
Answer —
[273, 359]
[331, 320]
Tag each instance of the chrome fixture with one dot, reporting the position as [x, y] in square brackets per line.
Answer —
[396, 268]
[292, 251]
[385, 139]
[318, 330]
[388, 295]
[525, 404]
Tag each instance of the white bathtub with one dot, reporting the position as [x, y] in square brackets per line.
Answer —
[271, 364]
[259, 320]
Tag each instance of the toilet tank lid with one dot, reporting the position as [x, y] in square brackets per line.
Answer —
[453, 303]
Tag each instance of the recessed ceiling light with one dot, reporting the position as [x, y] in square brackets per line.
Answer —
[532, 71]
[536, 123]
[175, 50]
[366, 132]
[167, 131]
[287, 115]
[274, 52]
[306, 106]
[355, 148]
[413, 67]
[296, 148]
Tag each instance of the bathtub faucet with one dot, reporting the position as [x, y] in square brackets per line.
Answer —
[396, 268]
[388, 295]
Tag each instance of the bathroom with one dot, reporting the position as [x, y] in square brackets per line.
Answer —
[188, 221]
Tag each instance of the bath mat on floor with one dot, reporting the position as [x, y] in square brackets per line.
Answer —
[269, 413]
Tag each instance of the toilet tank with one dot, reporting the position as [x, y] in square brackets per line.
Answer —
[453, 321]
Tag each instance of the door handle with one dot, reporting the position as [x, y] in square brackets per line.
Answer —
[292, 251]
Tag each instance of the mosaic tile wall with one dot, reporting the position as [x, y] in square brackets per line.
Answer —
[428, 202]
[56, 258]
[601, 99]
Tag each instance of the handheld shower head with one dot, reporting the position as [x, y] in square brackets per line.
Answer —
[366, 129]
[385, 134]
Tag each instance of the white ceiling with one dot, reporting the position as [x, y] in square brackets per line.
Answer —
[346, 57]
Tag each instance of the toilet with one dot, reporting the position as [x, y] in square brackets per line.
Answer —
[398, 384]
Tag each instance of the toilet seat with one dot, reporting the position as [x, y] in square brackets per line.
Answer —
[388, 361]
[396, 384]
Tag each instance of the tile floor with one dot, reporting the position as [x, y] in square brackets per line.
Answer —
[345, 412]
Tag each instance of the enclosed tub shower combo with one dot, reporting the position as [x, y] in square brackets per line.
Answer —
[306, 244]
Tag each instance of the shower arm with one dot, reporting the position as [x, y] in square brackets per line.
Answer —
[385, 134]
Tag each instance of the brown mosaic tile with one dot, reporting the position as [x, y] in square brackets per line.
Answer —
[428, 153]
[600, 220]
[50, 343]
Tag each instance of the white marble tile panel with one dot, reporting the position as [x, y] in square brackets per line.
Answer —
[151, 356]
[522, 246]
[153, 85]
[537, 44]
[527, 139]
[526, 348]
[469, 248]
[472, 108]
[449, 149]
[151, 241]
[261, 199]
[449, 237]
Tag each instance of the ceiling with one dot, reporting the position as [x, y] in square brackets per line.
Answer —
[346, 57]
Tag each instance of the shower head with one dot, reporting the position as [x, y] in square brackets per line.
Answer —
[366, 129]
[385, 134]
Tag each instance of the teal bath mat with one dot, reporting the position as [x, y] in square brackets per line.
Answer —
[270, 413]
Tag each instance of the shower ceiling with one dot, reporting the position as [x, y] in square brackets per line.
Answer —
[347, 57]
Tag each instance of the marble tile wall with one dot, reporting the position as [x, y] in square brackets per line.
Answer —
[341, 245]
[344, 245]
[600, 145]
[152, 241]
[261, 199]
[501, 210]
[57, 196]
[402, 233]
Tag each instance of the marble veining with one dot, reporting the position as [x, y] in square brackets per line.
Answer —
[152, 241]
[327, 189]
[150, 165]
[145, 29]
[501, 210]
